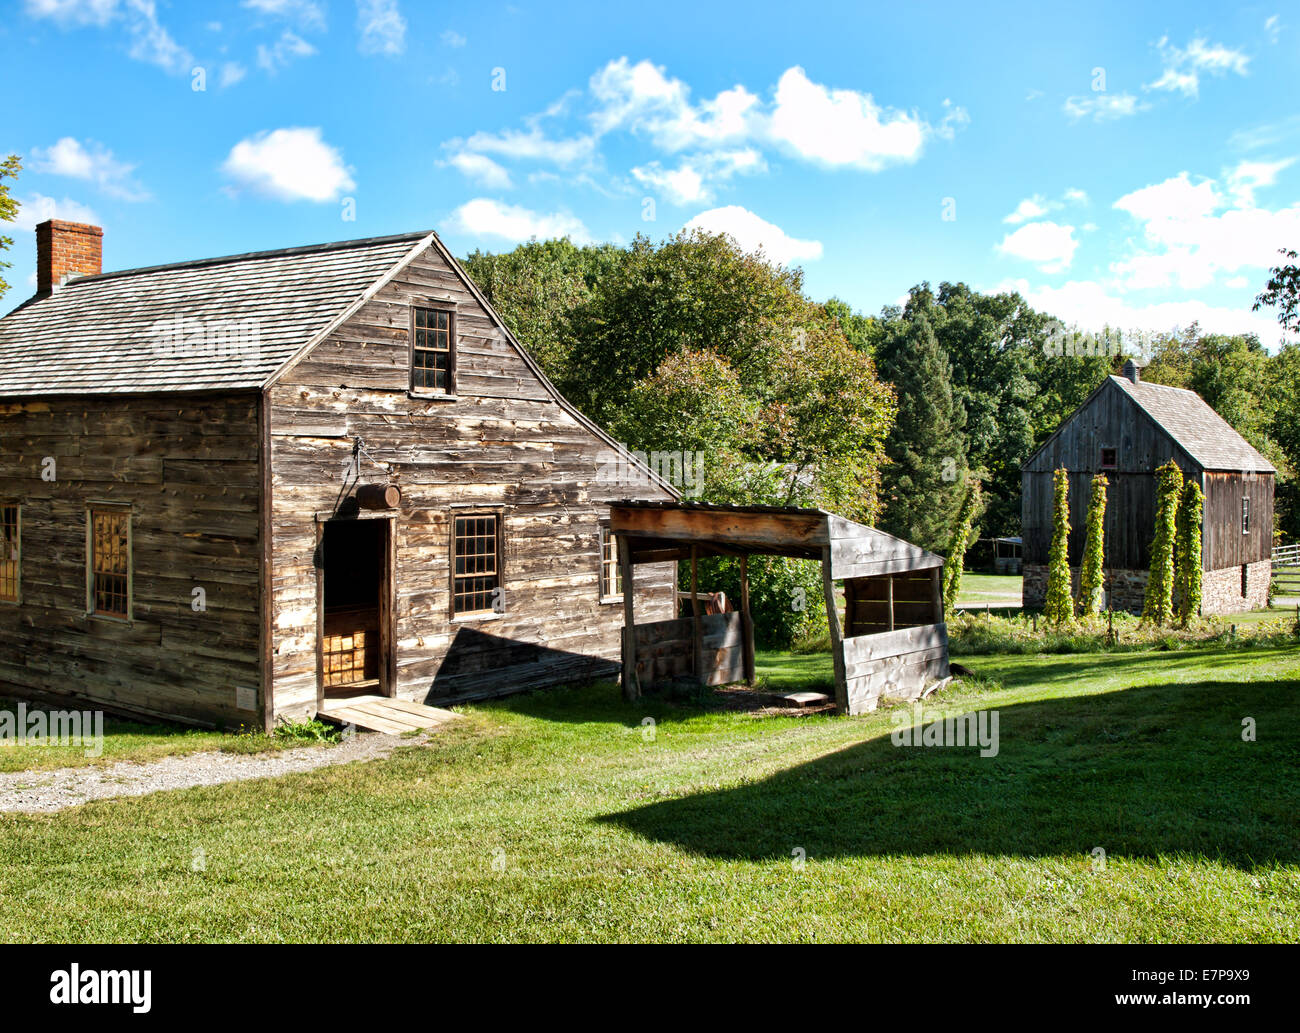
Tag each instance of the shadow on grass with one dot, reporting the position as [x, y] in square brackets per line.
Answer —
[1139, 772]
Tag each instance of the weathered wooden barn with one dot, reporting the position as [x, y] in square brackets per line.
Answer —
[237, 489]
[1126, 429]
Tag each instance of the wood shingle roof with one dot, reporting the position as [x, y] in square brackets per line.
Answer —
[1186, 417]
[222, 323]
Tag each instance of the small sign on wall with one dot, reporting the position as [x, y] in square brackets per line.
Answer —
[245, 698]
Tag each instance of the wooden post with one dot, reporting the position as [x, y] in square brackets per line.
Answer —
[837, 639]
[746, 623]
[936, 593]
[890, 581]
[697, 628]
[631, 684]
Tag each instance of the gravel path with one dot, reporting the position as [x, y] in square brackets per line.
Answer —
[45, 791]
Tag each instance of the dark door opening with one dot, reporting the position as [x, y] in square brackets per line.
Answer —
[355, 637]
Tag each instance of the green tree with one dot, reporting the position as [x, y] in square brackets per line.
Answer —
[1157, 603]
[961, 539]
[926, 447]
[9, 205]
[535, 289]
[1283, 292]
[1092, 572]
[1190, 506]
[1058, 608]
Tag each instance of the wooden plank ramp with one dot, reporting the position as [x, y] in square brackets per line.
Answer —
[382, 714]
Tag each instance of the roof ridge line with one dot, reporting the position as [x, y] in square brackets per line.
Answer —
[301, 249]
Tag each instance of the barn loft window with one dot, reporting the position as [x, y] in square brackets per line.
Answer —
[10, 544]
[433, 351]
[611, 578]
[1109, 458]
[1245, 514]
[476, 559]
[109, 555]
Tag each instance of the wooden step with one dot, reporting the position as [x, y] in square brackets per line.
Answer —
[382, 714]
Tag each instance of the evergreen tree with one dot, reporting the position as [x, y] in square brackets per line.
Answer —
[926, 447]
[1093, 570]
[1059, 607]
[1157, 604]
[1189, 551]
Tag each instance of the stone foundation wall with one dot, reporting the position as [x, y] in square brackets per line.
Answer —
[1127, 587]
[1220, 589]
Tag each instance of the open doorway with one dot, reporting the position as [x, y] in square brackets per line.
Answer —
[356, 574]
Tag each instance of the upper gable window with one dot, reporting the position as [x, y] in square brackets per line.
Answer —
[433, 350]
[1109, 458]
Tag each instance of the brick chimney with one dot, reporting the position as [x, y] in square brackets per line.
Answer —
[1132, 371]
[66, 249]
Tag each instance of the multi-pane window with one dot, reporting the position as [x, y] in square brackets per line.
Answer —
[1109, 458]
[10, 529]
[1245, 514]
[110, 562]
[432, 350]
[611, 578]
[476, 555]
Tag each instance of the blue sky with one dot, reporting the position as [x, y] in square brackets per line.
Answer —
[1136, 167]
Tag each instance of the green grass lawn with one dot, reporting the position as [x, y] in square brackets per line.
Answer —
[559, 816]
[998, 589]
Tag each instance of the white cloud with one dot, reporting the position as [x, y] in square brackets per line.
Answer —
[1103, 107]
[1193, 232]
[1030, 208]
[481, 169]
[483, 217]
[292, 164]
[306, 14]
[1249, 176]
[644, 100]
[37, 208]
[1090, 306]
[150, 42]
[1048, 245]
[74, 12]
[752, 234]
[1183, 67]
[692, 181]
[288, 47]
[842, 127]
[1037, 206]
[453, 38]
[92, 162]
[1272, 27]
[382, 28]
[231, 73]
[531, 144]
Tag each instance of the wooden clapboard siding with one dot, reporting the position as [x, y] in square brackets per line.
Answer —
[188, 466]
[897, 664]
[503, 442]
[1222, 542]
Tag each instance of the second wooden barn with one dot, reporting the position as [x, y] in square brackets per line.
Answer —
[893, 642]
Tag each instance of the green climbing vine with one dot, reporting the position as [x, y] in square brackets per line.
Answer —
[961, 535]
[1190, 508]
[1093, 572]
[1059, 607]
[1157, 604]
